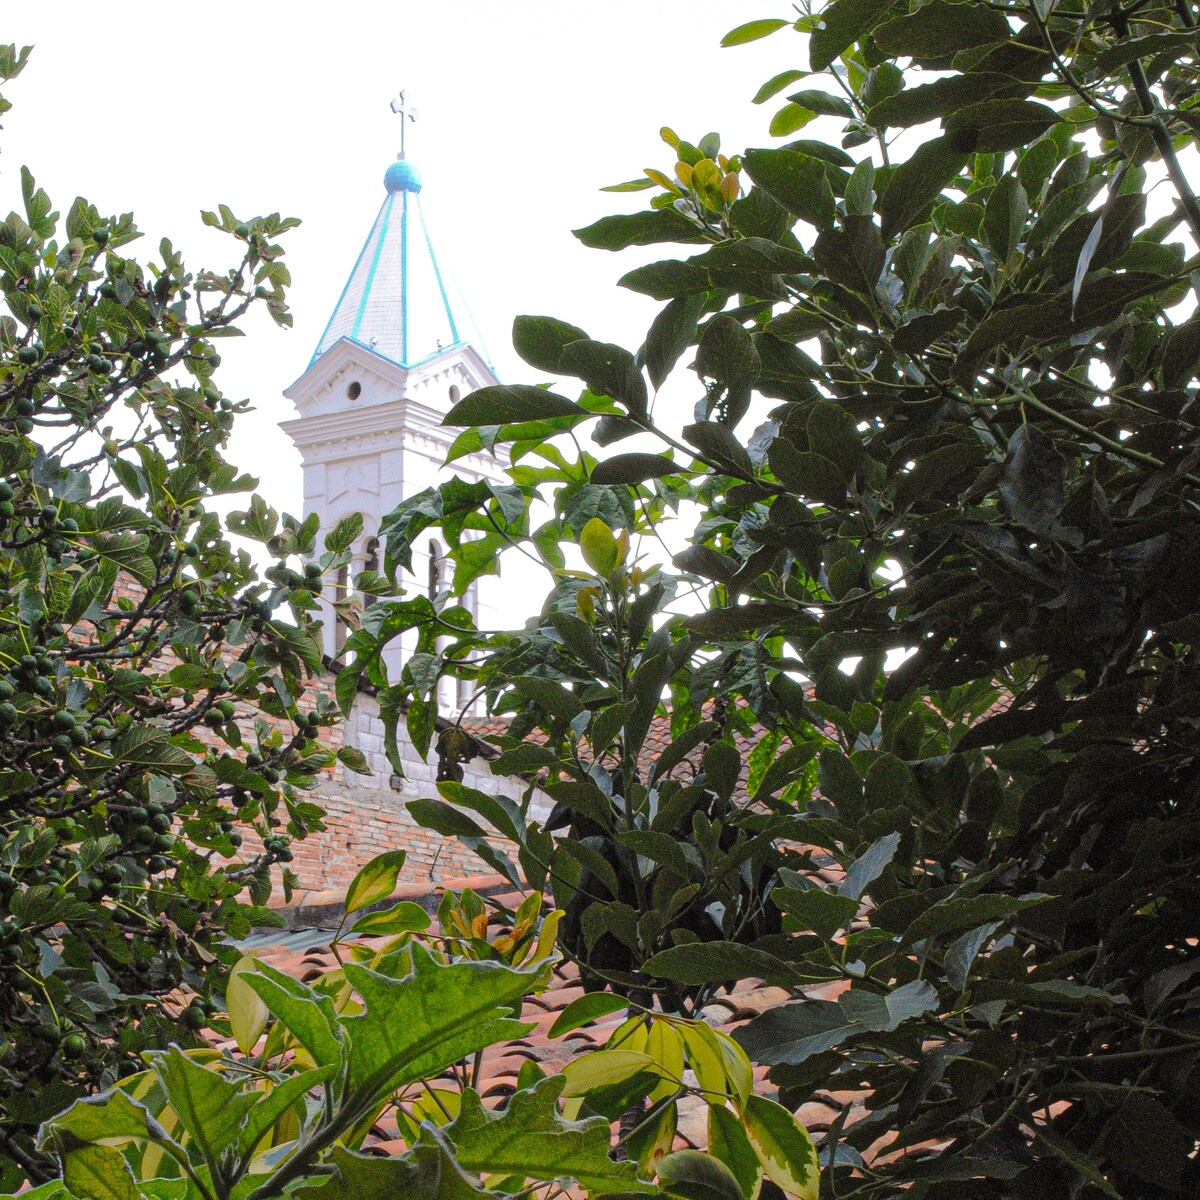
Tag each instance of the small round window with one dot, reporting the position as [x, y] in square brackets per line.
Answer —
[353, 390]
[455, 394]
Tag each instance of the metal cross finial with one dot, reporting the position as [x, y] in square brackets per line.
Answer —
[406, 112]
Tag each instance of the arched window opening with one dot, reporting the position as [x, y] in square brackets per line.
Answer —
[437, 566]
[340, 628]
[371, 565]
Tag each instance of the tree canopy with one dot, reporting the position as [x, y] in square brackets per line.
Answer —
[945, 464]
[150, 680]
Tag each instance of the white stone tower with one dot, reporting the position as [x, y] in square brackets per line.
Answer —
[391, 362]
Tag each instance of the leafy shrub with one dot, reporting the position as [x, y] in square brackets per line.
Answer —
[150, 686]
[290, 1113]
[972, 354]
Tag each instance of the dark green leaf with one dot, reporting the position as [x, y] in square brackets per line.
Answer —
[692, 1175]
[807, 473]
[726, 353]
[797, 181]
[670, 335]
[841, 24]
[540, 341]
[1032, 484]
[504, 404]
[869, 865]
[608, 370]
[634, 468]
[793, 1032]
[714, 962]
[639, 229]
[941, 28]
[918, 181]
[816, 909]
[993, 125]
[665, 280]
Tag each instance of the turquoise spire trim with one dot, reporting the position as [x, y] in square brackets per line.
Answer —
[345, 288]
[397, 302]
[404, 280]
[437, 273]
[379, 244]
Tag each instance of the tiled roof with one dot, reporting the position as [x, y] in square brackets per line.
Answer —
[304, 954]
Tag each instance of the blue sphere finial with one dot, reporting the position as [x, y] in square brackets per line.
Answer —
[402, 176]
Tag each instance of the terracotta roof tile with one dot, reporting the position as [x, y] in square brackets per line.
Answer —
[500, 1064]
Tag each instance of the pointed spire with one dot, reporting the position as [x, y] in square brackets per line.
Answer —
[395, 301]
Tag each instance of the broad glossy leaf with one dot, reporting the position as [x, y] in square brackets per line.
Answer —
[599, 546]
[1005, 216]
[405, 917]
[269, 1107]
[591, 1006]
[511, 403]
[111, 1117]
[211, 1109]
[540, 341]
[98, 1172]
[931, 101]
[869, 865]
[993, 125]
[794, 1032]
[918, 181]
[840, 25]
[784, 1147]
[807, 473]
[427, 1172]
[247, 1012]
[672, 331]
[1033, 480]
[963, 912]
[693, 1175]
[798, 181]
[667, 279]
[941, 28]
[530, 1138]
[560, 702]
[751, 31]
[414, 1026]
[718, 443]
[308, 1016]
[825, 913]
[727, 1141]
[726, 353]
[639, 229]
[376, 881]
[633, 468]
[883, 1013]
[604, 1068]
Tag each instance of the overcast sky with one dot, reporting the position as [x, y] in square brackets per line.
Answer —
[527, 108]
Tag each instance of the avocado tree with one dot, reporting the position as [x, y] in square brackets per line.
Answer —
[149, 683]
[945, 454]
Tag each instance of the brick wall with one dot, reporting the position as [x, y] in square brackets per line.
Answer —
[367, 814]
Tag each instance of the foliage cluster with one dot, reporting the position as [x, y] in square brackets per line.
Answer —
[149, 689]
[319, 1065]
[969, 350]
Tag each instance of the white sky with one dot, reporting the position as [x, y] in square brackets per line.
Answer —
[527, 107]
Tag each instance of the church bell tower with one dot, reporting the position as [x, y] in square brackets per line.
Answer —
[393, 359]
